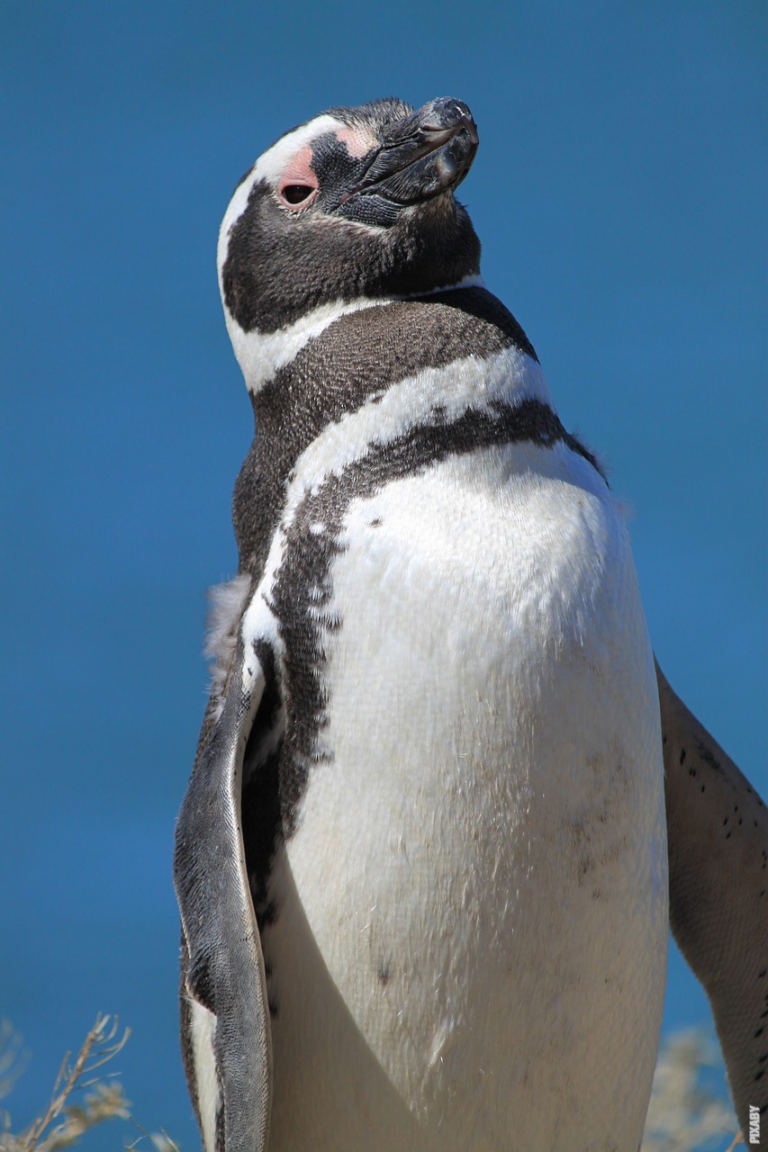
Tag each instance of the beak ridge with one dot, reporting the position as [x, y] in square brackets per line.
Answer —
[423, 154]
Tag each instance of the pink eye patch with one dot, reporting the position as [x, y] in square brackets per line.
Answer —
[298, 185]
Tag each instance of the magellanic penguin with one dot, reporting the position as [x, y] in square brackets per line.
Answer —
[422, 860]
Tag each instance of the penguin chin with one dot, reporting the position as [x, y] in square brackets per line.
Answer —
[437, 246]
[430, 245]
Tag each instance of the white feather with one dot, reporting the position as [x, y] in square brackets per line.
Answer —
[202, 1035]
[227, 602]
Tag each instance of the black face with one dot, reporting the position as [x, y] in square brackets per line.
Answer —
[363, 210]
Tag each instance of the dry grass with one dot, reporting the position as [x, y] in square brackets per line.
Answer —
[66, 1118]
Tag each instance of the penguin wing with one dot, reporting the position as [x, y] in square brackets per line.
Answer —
[718, 892]
[226, 1037]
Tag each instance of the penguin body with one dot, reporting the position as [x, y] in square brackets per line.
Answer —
[422, 861]
[427, 849]
[439, 825]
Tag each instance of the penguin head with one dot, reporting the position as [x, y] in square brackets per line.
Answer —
[357, 203]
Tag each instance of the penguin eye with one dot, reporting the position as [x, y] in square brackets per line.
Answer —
[298, 184]
[294, 194]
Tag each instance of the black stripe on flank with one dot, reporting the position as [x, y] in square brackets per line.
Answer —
[260, 813]
[357, 358]
[220, 1136]
[303, 590]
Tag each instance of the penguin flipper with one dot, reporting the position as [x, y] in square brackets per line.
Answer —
[718, 892]
[226, 1036]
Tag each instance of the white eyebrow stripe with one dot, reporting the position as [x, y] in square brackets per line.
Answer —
[271, 164]
[269, 168]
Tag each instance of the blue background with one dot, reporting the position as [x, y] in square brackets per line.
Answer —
[619, 193]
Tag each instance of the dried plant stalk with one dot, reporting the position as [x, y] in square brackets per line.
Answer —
[103, 1102]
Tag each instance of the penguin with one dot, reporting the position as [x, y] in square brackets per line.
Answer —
[422, 862]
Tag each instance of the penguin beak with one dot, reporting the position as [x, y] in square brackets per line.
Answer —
[422, 155]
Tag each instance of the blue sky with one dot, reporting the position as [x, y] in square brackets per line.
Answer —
[619, 193]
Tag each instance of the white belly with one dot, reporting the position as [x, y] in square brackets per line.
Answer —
[470, 946]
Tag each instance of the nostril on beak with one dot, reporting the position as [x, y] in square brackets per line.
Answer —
[446, 113]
